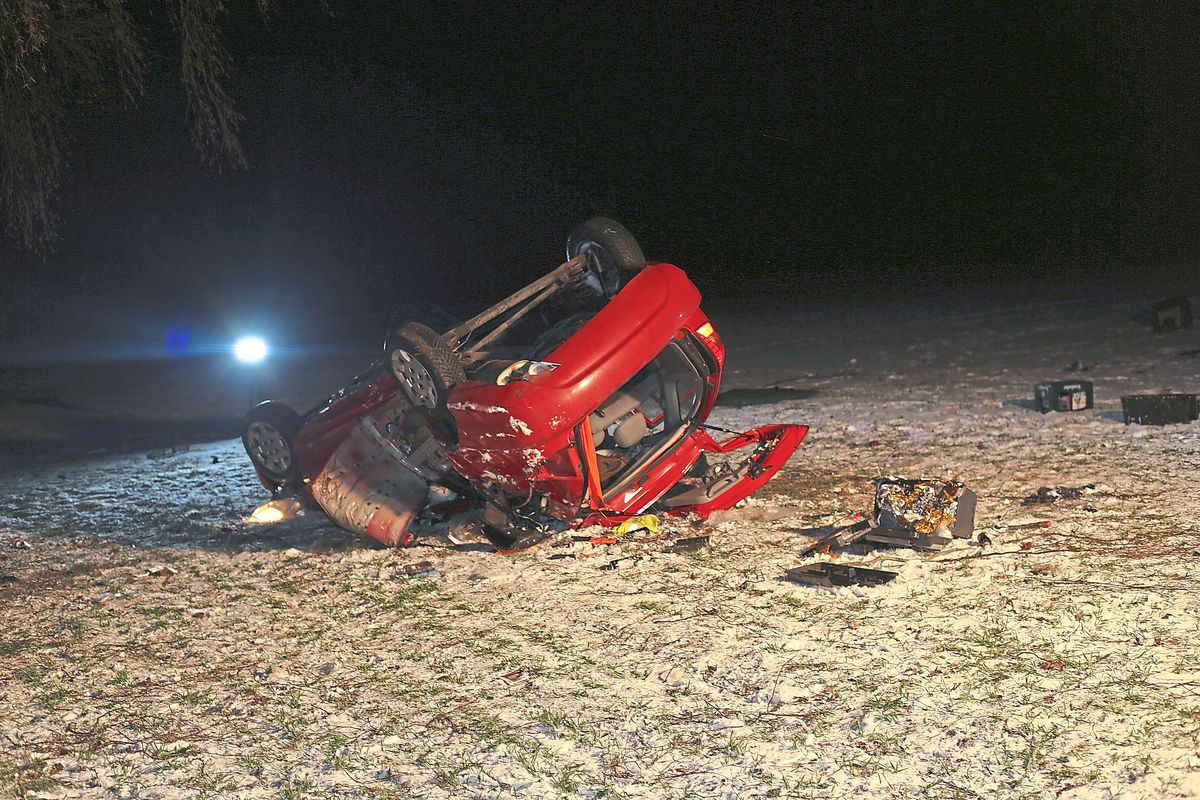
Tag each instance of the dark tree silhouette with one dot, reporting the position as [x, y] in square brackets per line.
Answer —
[60, 55]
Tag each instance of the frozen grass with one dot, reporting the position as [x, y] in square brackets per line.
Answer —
[294, 662]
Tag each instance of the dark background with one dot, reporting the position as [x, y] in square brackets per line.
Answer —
[410, 155]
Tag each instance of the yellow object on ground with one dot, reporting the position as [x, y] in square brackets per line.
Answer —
[645, 522]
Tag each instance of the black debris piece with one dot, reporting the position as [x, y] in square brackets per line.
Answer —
[1063, 396]
[688, 544]
[1172, 314]
[830, 575]
[1052, 494]
[8, 580]
[833, 536]
[1160, 409]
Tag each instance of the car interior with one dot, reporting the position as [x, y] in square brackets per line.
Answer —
[646, 417]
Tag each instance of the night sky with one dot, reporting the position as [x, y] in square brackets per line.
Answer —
[410, 156]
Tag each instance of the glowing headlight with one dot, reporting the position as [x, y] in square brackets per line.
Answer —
[250, 349]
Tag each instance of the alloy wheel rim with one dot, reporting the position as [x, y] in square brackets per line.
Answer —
[269, 447]
[414, 378]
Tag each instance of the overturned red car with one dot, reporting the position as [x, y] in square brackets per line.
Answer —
[589, 413]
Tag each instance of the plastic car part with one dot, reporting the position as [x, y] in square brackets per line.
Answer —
[424, 365]
[267, 434]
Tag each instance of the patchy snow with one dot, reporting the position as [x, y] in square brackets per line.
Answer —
[295, 659]
[478, 407]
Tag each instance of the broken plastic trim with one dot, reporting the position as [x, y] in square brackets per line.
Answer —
[524, 370]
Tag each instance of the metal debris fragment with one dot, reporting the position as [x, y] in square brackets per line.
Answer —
[1047, 494]
[922, 508]
[830, 575]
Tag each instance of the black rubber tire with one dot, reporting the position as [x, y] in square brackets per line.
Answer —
[276, 460]
[615, 250]
[430, 351]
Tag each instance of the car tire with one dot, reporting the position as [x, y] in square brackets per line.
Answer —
[614, 251]
[267, 434]
[424, 365]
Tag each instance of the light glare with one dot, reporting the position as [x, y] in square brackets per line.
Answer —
[250, 349]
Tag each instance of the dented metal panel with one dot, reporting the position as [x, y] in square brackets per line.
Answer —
[365, 488]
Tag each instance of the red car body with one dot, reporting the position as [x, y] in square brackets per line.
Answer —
[529, 447]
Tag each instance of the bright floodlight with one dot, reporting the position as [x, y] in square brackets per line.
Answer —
[250, 349]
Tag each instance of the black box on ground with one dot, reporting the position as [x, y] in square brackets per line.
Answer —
[1160, 409]
[1063, 396]
[1172, 314]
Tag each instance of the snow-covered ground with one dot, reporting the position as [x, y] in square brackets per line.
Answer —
[155, 645]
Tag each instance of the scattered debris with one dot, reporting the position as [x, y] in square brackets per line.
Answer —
[420, 569]
[1055, 665]
[1172, 314]
[1063, 396]
[1048, 494]
[594, 539]
[515, 678]
[1160, 409]
[167, 452]
[1029, 525]
[165, 571]
[926, 514]
[688, 545]
[616, 563]
[922, 509]
[8, 580]
[829, 575]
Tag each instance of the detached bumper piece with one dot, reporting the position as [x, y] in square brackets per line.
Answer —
[830, 575]
[1160, 409]
[1063, 396]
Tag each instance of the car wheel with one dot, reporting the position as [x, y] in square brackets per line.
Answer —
[267, 434]
[612, 250]
[424, 365]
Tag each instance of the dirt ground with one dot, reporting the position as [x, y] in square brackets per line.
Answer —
[153, 644]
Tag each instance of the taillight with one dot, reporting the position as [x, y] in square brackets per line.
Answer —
[710, 336]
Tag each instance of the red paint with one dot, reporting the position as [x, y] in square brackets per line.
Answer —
[521, 438]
